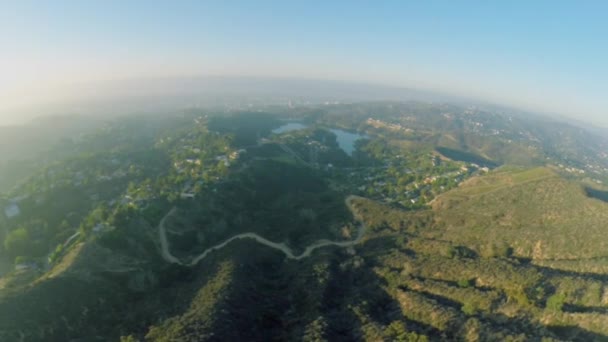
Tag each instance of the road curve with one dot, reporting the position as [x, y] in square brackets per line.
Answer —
[167, 256]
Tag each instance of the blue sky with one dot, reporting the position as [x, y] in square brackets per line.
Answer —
[544, 55]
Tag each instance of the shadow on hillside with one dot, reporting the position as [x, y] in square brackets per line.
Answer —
[441, 300]
[329, 295]
[571, 308]
[574, 333]
[359, 288]
[368, 286]
[557, 272]
[496, 321]
[597, 194]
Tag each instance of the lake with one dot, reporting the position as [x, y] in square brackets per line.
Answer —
[346, 140]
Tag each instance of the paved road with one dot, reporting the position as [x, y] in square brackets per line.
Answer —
[166, 253]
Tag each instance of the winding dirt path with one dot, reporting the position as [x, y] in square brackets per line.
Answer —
[166, 253]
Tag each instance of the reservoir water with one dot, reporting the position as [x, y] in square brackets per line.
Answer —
[346, 140]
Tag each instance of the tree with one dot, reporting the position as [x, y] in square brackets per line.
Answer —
[469, 308]
[397, 331]
[464, 283]
[556, 302]
[315, 331]
[54, 256]
[17, 242]
[222, 168]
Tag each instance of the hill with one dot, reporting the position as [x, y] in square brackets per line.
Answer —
[452, 277]
[538, 214]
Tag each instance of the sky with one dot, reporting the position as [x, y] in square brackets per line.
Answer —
[549, 56]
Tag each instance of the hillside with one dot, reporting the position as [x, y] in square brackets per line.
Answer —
[475, 287]
[538, 214]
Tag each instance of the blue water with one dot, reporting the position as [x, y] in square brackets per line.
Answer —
[346, 140]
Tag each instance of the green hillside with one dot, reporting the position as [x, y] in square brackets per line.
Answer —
[535, 212]
[477, 288]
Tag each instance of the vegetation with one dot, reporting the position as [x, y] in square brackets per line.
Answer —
[532, 214]
[452, 250]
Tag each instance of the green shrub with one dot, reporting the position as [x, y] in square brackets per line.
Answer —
[464, 283]
[469, 309]
[397, 331]
[556, 302]
[56, 254]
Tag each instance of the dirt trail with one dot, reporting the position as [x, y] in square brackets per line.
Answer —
[166, 253]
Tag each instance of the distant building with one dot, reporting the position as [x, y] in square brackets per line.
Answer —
[28, 265]
[104, 178]
[236, 154]
[223, 159]
[12, 210]
[185, 195]
[99, 228]
[193, 161]
[126, 200]
[23, 267]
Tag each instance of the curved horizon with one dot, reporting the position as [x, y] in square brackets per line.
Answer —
[542, 56]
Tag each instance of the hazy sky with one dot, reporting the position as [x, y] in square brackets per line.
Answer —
[547, 55]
